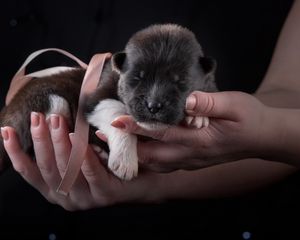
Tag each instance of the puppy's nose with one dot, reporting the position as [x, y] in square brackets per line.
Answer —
[154, 107]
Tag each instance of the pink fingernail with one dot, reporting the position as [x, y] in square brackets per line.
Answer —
[4, 133]
[35, 119]
[101, 136]
[190, 102]
[118, 124]
[71, 137]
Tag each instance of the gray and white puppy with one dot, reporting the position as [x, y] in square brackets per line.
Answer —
[150, 80]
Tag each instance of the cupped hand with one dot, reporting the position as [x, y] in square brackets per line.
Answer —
[94, 186]
[234, 132]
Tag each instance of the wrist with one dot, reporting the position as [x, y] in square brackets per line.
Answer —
[280, 136]
[270, 131]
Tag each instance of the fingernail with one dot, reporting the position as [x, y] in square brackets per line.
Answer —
[35, 119]
[190, 102]
[71, 137]
[4, 133]
[118, 124]
[54, 121]
[101, 135]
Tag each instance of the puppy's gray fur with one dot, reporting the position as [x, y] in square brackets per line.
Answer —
[160, 66]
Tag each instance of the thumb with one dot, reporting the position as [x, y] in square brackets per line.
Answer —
[217, 105]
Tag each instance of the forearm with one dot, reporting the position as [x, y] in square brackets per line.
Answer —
[225, 180]
[281, 98]
[281, 89]
[284, 69]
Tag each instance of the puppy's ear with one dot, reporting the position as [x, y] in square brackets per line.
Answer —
[117, 61]
[208, 64]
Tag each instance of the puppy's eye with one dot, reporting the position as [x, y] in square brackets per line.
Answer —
[140, 76]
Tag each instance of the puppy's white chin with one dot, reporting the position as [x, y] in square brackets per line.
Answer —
[153, 126]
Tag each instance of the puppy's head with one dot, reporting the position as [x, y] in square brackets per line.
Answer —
[160, 67]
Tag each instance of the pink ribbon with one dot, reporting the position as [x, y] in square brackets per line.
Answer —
[81, 132]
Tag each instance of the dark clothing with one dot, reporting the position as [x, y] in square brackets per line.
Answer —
[240, 35]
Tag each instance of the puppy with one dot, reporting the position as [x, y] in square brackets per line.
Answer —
[150, 80]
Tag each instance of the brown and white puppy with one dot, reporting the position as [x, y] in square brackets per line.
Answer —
[150, 80]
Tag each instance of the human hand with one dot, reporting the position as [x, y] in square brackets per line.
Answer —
[94, 186]
[236, 131]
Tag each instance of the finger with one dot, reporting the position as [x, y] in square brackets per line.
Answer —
[92, 169]
[162, 157]
[80, 193]
[61, 142]
[171, 134]
[43, 149]
[78, 197]
[95, 174]
[21, 162]
[127, 124]
[218, 105]
[164, 154]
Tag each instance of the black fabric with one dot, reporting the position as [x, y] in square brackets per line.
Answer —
[241, 35]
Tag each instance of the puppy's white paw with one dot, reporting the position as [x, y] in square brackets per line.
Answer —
[197, 121]
[123, 163]
[123, 159]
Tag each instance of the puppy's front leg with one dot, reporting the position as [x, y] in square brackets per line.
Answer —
[123, 159]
